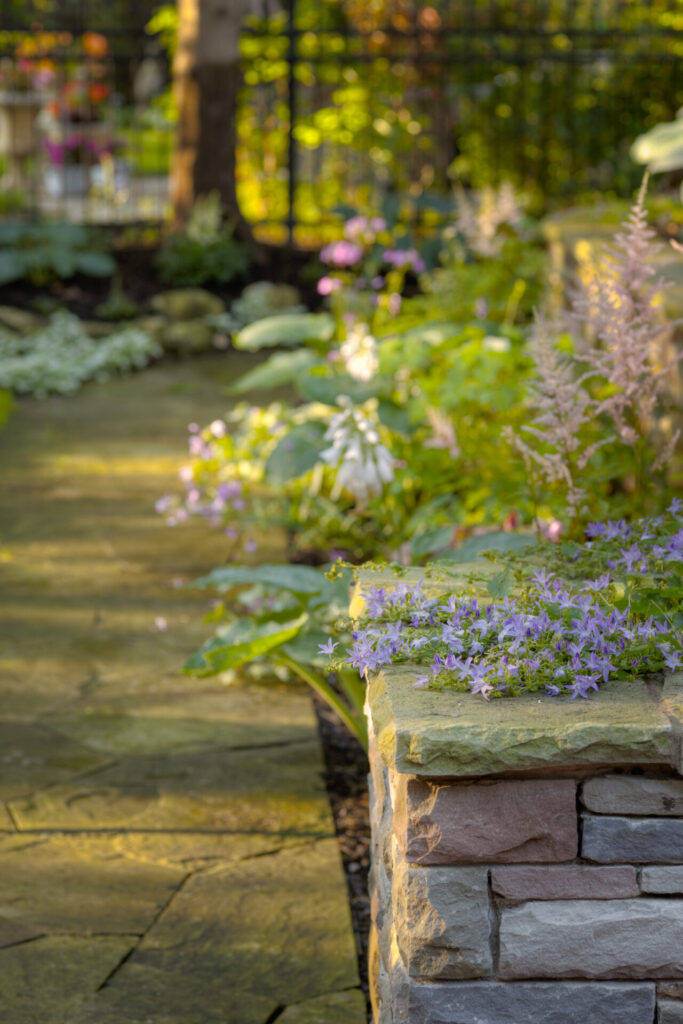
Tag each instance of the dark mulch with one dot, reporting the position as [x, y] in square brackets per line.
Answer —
[137, 273]
[346, 769]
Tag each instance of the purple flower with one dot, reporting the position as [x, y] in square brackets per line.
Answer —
[675, 506]
[327, 648]
[581, 684]
[672, 660]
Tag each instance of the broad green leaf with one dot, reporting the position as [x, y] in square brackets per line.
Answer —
[95, 264]
[282, 368]
[304, 647]
[430, 541]
[394, 417]
[327, 389]
[501, 585]
[240, 642]
[500, 540]
[12, 267]
[299, 579]
[296, 453]
[62, 260]
[285, 329]
[661, 148]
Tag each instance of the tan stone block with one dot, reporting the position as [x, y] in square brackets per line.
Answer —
[634, 794]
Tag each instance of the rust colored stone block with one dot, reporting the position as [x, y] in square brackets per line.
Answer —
[565, 882]
[505, 822]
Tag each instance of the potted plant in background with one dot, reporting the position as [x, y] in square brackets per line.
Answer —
[25, 78]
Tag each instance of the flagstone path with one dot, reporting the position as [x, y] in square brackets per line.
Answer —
[166, 844]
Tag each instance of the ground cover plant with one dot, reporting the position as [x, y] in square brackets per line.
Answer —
[610, 609]
[62, 356]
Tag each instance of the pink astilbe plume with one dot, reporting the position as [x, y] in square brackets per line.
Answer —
[618, 308]
[564, 408]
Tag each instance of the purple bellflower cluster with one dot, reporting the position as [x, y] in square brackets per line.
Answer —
[614, 614]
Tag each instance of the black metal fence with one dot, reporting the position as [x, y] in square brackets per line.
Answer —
[350, 103]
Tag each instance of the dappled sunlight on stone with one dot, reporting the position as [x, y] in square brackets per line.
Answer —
[127, 784]
[49, 979]
[77, 884]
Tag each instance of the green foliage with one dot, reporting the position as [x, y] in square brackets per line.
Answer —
[61, 357]
[284, 615]
[42, 253]
[183, 262]
[282, 368]
[286, 329]
[204, 252]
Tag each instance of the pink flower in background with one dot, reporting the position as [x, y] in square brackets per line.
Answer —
[341, 254]
[328, 285]
[364, 230]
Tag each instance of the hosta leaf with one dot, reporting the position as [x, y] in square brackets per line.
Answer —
[296, 453]
[95, 264]
[501, 585]
[282, 368]
[499, 540]
[240, 642]
[299, 579]
[285, 329]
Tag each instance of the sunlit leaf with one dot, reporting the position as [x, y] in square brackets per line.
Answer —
[240, 642]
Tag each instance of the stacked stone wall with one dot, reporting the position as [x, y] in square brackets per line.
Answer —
[544, 900]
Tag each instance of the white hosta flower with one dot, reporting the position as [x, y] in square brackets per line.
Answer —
[362, 462]
[359, 353]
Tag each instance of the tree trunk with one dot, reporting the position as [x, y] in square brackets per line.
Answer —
[207, 80]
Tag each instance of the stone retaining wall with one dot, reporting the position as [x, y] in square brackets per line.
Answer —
[527, 856]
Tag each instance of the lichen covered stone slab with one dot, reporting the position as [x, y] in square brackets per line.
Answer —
[445, 733]
[335, 1008]
[77, 885]
[140, 993]
[259, 791]
[238, 937]
[46, 981]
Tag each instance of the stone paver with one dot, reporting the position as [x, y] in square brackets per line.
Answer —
[165, 850]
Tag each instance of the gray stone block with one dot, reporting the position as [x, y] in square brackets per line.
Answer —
[667, 881]
[614, 840]
[593, 939]
[669, 1011]
[441, 916]
[564, 882]
[634, 794]
[482, 1002]
[507, 822]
